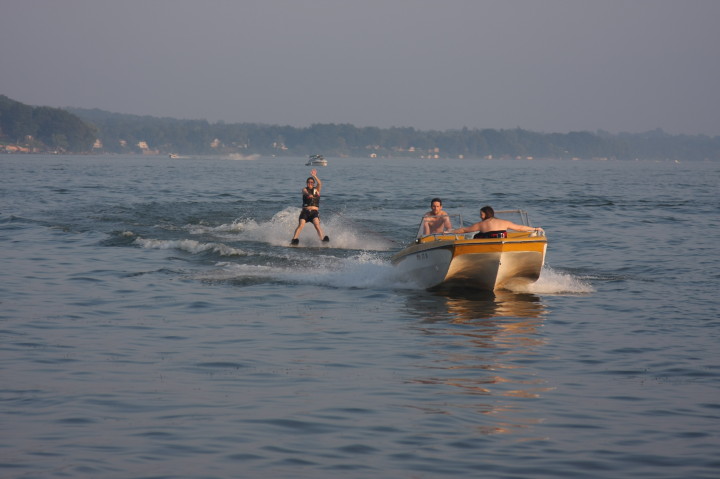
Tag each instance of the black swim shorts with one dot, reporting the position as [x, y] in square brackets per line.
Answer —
[309, 215]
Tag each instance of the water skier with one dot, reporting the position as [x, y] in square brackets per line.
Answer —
[310, 208]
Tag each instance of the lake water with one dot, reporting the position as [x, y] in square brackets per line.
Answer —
[154, 323]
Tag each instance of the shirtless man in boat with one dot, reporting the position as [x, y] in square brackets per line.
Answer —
[436, 220]
[491, 227]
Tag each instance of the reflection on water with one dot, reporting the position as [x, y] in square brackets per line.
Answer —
[483, 345]
[472, 306]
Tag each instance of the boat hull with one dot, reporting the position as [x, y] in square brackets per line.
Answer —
[446, 261]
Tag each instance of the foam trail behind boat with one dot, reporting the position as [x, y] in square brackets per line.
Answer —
[555, 282]
[279, 229]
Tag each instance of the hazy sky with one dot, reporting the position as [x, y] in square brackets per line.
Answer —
[541, 65]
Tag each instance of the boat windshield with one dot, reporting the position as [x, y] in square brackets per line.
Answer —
[435, 225]
[519, 217]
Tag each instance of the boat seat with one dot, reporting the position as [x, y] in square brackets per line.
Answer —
[491, 234]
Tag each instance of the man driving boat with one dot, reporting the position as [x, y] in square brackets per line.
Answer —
[436, 220]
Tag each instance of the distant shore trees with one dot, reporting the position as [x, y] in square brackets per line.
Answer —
[76, 130]
[43, 128]
[120, 133]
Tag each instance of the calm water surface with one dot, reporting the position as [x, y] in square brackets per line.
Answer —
[155, 324]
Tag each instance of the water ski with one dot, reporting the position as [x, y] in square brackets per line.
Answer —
[296, 241]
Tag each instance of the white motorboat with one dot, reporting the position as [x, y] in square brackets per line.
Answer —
[316, 160]
[439, 261]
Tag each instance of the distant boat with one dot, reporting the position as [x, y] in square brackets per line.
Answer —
[316, 160]
[174, 155]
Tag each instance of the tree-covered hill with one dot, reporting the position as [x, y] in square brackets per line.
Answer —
[77, 130]
[41, 128]
[122, 133]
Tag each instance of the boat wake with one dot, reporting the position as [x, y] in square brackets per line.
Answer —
[278, 230]
[361, 271]
[247, 251]
[555, 282]
[190, 246]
